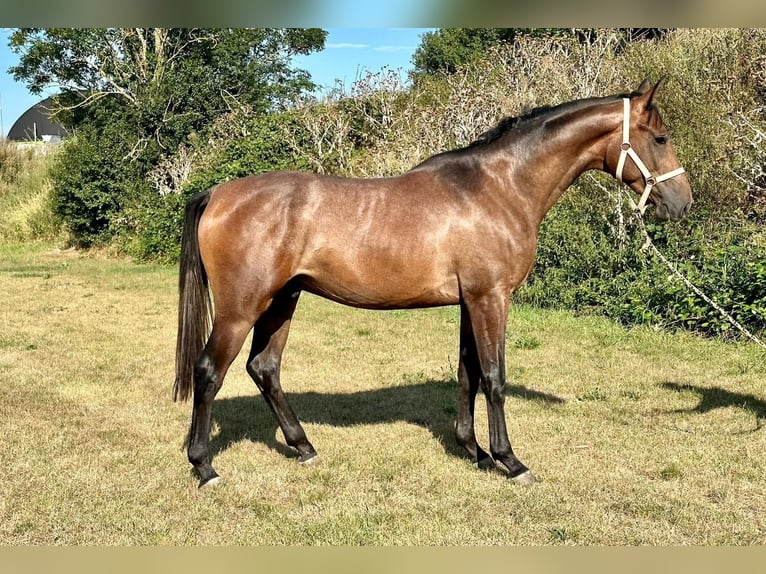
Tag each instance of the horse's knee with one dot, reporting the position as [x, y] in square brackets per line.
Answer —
[493, 385]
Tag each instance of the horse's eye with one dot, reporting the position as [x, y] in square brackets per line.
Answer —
[662, 140]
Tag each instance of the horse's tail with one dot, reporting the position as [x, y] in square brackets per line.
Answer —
[194, 306]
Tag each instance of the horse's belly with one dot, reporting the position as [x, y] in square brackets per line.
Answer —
[381, 283]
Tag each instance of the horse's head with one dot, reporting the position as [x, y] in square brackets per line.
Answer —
[646, 160]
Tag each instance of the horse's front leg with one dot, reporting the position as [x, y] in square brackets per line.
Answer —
[488, 314]
[468, 376]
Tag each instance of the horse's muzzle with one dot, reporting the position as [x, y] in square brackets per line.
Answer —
[668, 210]
[673, 199]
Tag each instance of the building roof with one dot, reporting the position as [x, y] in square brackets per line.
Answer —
[35, 124]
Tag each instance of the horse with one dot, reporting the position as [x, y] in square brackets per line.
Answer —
[460, 228]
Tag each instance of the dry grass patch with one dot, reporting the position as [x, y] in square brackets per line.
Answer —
[640, 437]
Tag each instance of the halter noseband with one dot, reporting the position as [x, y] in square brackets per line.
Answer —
[627, 150]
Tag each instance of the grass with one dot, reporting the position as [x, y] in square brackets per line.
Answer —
[26, 210]
[640, 437]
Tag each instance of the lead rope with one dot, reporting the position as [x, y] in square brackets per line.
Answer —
[648, 243]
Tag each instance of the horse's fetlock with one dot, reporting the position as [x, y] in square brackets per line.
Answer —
[464, 435]
[197, 454]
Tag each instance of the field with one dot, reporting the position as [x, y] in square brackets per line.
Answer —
[640, 437]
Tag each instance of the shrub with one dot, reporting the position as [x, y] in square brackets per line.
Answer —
[154, 219]
[97, 174]
[589, 252]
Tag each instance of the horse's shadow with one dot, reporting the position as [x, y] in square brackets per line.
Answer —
[712, 398]
[430, 404]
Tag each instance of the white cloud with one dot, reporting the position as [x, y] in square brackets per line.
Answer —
[347, 45]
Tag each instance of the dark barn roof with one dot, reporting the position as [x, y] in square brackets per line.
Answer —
[36, 123]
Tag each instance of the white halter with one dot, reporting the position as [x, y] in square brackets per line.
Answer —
[627, 150]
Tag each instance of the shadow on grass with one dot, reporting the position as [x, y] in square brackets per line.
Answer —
[717, 398]
[430, 404]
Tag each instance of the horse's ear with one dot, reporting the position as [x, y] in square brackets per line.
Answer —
[644, 87]
[647, 96]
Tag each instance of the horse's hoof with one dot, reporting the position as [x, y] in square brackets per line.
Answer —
[526, 478]
[308, 459]
[211, 482]
[486, 463]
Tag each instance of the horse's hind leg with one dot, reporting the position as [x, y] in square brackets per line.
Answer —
[222, 347]
[269, 338]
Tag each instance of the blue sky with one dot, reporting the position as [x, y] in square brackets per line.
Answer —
[348, 55]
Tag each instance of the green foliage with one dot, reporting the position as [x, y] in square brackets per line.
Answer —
[527, 342]
[155, 221]
[714, 95]
[264, 149]
[156, 227]
[733, 274]
[92, 178]
[711, 102]
[582, 265]
[671, 471]
[133, 96]
[189, 70]
[447, 49]
[217, 111]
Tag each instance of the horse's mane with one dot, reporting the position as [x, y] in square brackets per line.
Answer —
[509, 124]
[520, 124]
[516, 123]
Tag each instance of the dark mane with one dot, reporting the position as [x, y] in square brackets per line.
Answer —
[530, 118]
[512, 123]
[508, 124]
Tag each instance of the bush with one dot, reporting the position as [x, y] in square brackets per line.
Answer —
[85, 191]
[154, 219]
[714, 102]
[98, 173]
[732, 273]
[156, 225]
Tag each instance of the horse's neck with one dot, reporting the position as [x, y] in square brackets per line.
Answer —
[569, 147]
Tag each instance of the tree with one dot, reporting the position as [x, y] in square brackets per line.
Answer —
[131, 96]
[175, 80]
[447, 49]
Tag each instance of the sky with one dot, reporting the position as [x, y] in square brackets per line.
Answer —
[348, 55]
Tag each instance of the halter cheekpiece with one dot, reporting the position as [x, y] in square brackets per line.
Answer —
[627, 150]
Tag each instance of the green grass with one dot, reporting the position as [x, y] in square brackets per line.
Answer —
[640, 437]
[26, 196]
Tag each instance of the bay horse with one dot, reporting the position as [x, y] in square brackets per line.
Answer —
[460, 228]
